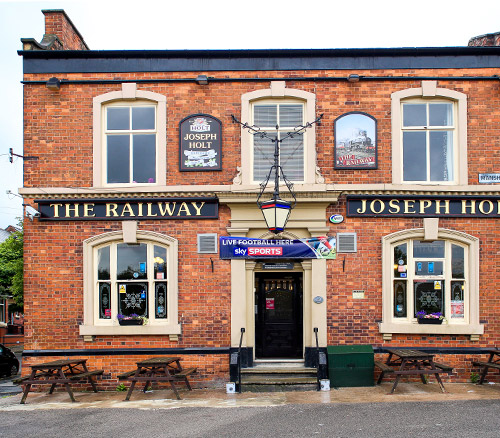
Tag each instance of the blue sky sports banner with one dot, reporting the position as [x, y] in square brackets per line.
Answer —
[324, 247]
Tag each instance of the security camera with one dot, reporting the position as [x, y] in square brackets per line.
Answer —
[31, 213]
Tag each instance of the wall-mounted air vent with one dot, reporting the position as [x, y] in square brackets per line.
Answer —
[347, 242]
[207, 244]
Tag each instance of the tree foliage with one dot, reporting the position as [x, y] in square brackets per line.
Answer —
[11, 268]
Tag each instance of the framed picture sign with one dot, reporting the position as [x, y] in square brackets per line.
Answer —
[200, 143]
[355, 141]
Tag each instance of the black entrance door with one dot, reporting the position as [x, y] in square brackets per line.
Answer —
[278, 321]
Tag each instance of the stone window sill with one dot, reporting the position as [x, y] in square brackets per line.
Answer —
[443, 329]
[119, 330]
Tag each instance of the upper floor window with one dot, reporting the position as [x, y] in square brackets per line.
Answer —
[428, 141]
[277, 111]
[277, 120]
[429, 136]
[129, 138]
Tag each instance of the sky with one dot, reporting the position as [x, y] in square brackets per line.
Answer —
[221, 24]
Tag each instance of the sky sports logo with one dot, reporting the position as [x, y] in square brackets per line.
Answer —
[258, 251]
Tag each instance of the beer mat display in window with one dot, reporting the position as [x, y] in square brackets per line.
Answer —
[123, 209]
[200, 143]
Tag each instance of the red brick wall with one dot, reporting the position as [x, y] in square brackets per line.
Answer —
[58, 130]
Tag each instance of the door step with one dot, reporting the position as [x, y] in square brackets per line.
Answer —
[278, 375]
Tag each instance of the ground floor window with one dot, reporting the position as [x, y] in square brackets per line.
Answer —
[138, 278]
[430, 276]
[132, 279]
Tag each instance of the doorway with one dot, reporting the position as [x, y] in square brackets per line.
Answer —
[278, 315]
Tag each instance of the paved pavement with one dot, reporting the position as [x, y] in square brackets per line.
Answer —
[165, 399]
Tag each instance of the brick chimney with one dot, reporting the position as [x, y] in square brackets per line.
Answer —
[60, 34]
[489, 39]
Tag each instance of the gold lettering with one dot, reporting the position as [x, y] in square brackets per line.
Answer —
[111, 208]
[88, 210]
[198, 210]
[56, 208]
[128, 209]
[363, 207]
[446, 206]
[481, 206]
[150, 212]
[167, 208]
[184, 208]
[139, 208]
[424, 203]
[381, 205]
[393, 203]
[75, 210]
[409, 203]
[472, 206]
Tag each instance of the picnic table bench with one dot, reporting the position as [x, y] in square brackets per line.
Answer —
[411, 362]
[158, 369]
[493, 362]
[59, 372]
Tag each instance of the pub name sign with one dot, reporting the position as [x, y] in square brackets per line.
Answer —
[423, 206]
[123, 209]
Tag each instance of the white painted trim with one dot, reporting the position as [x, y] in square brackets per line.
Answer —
[129, 93]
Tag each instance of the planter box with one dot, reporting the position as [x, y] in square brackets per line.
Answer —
[130, 321]
[429, 321]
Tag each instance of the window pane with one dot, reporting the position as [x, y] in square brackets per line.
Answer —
[429, 250]
[414, 156]
[118, 158]
[161, 300]
[131, 261]
[263, 157]
[428, 268]
[133, 299]
[400, 261]
[105, 300]
[429, 296]
[440, 114]
[457, 261]
[160, 263]
[441, 155]
[265, 116]
[118, 118]
[144, 158]
[290, 116]
[103, 263]
[143, 118]
[457, 299]
[414, 114]
[400, 299]
[292, 157]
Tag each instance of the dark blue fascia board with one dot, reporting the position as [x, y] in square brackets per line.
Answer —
[126, 351]
[258, 60]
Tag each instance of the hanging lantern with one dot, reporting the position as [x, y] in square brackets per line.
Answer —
[276, 213]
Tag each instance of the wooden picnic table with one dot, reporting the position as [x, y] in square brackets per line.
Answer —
[411, 363]
[493, 362]
[63, 372]
[158, 369]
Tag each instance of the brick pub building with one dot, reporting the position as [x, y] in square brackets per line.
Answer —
[141, 170]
